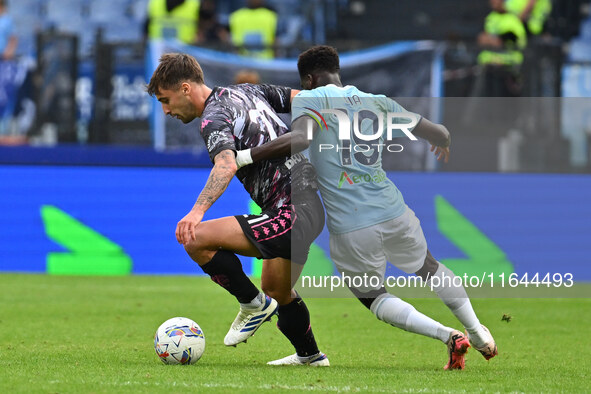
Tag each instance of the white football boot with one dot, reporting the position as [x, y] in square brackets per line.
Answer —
[317, 360]
[249, 320]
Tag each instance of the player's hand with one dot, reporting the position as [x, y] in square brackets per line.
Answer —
[185, 229]
[441, 153]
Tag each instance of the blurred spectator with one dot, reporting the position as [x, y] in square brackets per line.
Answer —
[295, 25]
[8, 40]
[503, 39]
[247, 76]
[253, 29]
[210, 29]
[173, 19]
[533, 13]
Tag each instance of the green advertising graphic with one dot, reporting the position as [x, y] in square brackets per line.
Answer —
[257, 265]
[89, 253]
[482, 254]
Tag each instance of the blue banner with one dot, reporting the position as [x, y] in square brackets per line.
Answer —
[400, 69]
[130, 102]
[120, 220]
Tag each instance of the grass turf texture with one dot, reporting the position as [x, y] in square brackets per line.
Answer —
[95, 334]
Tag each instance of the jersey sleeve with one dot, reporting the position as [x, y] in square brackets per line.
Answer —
[216, 130]
[408, 118]
[306, 103]
[279, 97]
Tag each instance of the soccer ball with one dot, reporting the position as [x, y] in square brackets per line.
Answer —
[179, 341]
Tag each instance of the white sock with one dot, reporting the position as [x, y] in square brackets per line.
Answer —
[456, 299]
[401, 314]
[255, 303]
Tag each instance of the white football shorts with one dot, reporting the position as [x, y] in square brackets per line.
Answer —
[366, 251]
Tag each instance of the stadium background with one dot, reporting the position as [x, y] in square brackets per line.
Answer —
[93, 179]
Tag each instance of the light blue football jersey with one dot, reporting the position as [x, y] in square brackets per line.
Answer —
[354, 187]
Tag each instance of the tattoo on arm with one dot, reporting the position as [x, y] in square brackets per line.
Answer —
[222, 173]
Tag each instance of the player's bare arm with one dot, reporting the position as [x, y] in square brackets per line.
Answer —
[221, 174]
[285, 145]
[437, 135]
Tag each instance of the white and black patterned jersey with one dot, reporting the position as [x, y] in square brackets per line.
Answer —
[245, 116]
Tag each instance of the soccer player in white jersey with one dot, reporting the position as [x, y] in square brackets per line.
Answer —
[368, 220]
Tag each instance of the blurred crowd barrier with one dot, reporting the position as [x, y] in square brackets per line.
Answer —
[64, 101]
[82, 83]
[398, 70]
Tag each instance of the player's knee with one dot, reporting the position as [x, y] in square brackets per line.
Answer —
[199, 252]
[367, 298]
[429, 268]
[280, 294]
[193, 248]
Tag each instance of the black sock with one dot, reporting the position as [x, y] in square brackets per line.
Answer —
[294, 323]
[225, 269]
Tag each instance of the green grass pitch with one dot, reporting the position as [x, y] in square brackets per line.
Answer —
[95, 334]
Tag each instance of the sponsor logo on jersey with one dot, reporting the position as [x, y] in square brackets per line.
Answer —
[214, 138]
[292, 161]
[351, 179]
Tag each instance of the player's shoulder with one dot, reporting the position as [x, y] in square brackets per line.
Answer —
[337, 91]
[218, 111]
[254, 88]
[235, 93]
[318, 92]
[380, 100]
[244, 87]
[327, 91]
[228, 99]
[361, 93]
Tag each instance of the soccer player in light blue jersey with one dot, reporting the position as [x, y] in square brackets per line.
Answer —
[368, 220]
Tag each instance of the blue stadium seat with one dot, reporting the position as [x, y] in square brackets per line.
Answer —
[30, 8]
[139, 10]
[580, 48]
[119, 30]
[586, 29]
[26, 29]
[27, 18]
[108, 11]
[80, 28]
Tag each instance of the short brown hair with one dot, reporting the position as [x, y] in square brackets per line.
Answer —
[174, 69]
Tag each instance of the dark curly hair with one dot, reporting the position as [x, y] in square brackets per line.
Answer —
[318, 59]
